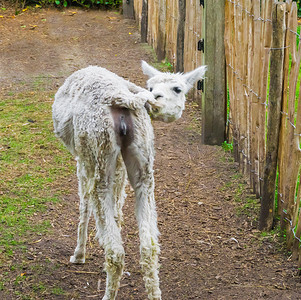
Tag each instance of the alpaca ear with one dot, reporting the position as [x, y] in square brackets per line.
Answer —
[193, 76]
[149, 70]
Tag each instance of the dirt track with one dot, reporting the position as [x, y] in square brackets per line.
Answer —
[207, 250]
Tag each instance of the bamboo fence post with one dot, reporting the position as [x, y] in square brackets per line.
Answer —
[275, 97]
[214, 96]
[282, 142]
[267, 39]
[180, 36]
[244, 75]
[297, 150]
[161, 37]
[238, 94]
[254, 97]
[292, 161]
[229, 73]
[144, 21]
[249, 83]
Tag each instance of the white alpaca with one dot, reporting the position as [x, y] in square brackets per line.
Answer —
[104, 122]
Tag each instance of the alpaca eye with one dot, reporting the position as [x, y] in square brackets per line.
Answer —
[177, 90]
[150, 89]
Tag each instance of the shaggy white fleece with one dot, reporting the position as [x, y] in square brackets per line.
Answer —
[103, 121]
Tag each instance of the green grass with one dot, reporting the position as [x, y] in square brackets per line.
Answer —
[228, 147]
[33, 167]
[57, 291]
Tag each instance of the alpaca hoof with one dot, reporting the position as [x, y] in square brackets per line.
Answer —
[75, 260]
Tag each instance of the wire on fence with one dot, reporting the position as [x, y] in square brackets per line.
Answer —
[292, 228]
[250, 14]
[249, 91]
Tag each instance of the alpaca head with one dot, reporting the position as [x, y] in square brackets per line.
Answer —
[169, 90]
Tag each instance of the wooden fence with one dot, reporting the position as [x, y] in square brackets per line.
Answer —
[263, 118]
[175, 29]
[264, 121]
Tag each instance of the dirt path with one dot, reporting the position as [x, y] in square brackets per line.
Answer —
[210, 248]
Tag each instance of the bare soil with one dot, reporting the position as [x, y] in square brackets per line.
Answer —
[210, 245]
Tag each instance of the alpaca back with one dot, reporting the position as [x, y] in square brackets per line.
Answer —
[81, 104]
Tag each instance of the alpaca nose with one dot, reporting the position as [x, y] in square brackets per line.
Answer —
[158, 95]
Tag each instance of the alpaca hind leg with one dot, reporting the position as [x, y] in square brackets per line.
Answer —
[140, 172]
[85, 211]
[120, 181]
[104, 213]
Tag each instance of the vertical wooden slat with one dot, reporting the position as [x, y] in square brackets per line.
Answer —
[262, 101]
[249, 81]
[198, 55]
[275, 97]
[297, 140]
[282, 143]
[267, 40]
[292, 176]
[144, 21]
[138, 11]
[188, 36]
[161, 42]
[128, 9]
[284, 147]
[244, 93]
[230, 46]
[238, 85]
[255, 99]
[214, 99]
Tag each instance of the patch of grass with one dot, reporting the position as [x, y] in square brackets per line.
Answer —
[246, 204]
[249, 206]
[275, 234]
[164, 66]
[58, 291]
[228, 147]
[34, 166]
[40, 287]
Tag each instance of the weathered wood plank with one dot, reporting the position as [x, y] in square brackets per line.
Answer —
[144, 21]
[291, 165]
[214, 99]
[254, 96]
[128, 9]
[275, 97]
